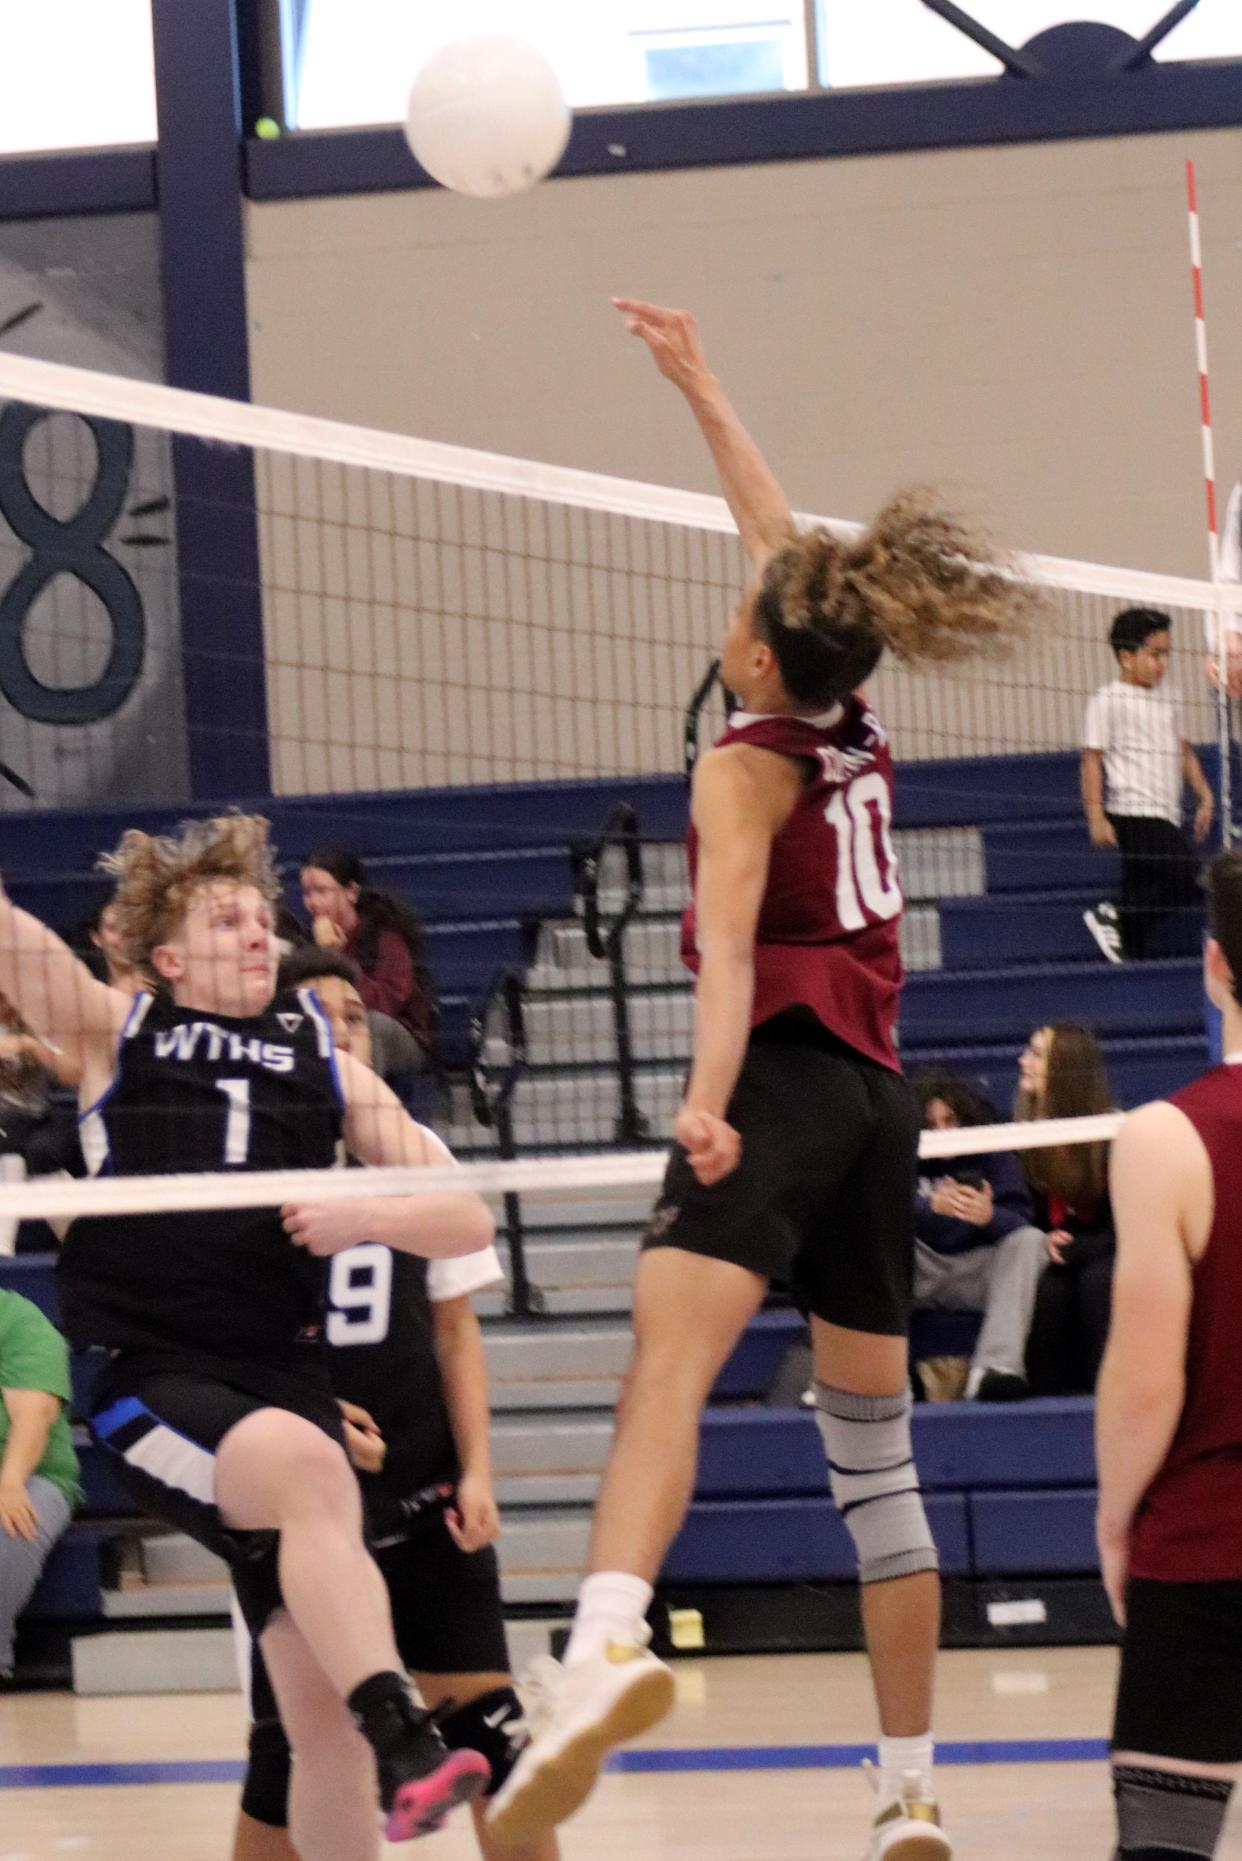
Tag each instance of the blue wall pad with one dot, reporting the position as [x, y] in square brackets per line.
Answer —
[1033, 1533]
[792, 1540]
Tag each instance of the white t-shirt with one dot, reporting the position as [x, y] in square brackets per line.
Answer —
[1140, 735]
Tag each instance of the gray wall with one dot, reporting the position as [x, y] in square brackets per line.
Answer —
[1012, 322]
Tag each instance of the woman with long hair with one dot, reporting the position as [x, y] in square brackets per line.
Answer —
[379, 933]
[1061, 1074]
[797, 1134]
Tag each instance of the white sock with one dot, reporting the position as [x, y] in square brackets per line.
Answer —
[612, 1606]
[899, 1756]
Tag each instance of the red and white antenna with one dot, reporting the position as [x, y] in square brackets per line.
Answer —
[1218, 644]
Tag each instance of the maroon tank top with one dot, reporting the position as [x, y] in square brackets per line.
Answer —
[1189, 1526]
[827, 939]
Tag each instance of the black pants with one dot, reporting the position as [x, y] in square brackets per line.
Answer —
[1070, 1326]
[1159, 876]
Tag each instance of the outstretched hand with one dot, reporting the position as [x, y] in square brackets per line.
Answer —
[672, 337]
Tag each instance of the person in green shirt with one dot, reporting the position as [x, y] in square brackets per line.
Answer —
[38, 1467]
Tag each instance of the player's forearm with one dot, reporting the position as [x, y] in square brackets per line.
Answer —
[31, 1418]
[463, 1374]
[1137, 1412]
[758, 505]
[1091, 772]
[1192, 772]
[723, 1000]
[433, 1226]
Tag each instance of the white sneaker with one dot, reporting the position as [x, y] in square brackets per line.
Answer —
[1101, 921]
[576, 1716]
[908, 1828]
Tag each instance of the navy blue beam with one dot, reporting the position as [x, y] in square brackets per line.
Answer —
[207, 348]
[36, 187]
[797, 127]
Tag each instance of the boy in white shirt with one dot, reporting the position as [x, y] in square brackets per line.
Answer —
[1135, 762]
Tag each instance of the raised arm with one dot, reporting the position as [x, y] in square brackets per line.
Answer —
[759, 506]
[378, 1129]
[54, 993]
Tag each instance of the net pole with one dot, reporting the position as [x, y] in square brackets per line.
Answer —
[1224, 727]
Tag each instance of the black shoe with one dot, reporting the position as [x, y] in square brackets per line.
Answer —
[1002, 1386]
[421, 1780]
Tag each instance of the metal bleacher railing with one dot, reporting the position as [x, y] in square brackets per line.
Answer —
[605, 936]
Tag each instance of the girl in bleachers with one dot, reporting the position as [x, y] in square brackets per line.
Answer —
[1062, 1075]
[379, 933]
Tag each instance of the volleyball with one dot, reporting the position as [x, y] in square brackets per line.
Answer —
[487, 116]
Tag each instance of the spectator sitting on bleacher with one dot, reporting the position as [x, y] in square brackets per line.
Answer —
[1062, 1075]
[394, 1053]
[976, 1246]
[378, 933]
[1135, 762]
[38, 1467]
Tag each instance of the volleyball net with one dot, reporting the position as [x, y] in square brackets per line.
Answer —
[479, 673]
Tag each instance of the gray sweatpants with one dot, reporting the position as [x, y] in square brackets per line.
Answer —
[22, 1559]
[998, 1281]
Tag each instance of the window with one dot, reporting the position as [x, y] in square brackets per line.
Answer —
[871, 42]
[75, 74]
[355, 60]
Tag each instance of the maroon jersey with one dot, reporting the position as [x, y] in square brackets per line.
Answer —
[1189, 1526]
[827, 932]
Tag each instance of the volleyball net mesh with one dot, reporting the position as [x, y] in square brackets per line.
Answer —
[480, 675]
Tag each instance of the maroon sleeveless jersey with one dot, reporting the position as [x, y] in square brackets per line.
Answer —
[827, 933]
[1189, 1526]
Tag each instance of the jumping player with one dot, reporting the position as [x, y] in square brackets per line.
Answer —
[797, 1136]
[406, 1353]
[1169, 1438]
[215, 1407]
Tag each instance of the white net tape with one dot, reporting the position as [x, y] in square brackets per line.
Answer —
[547, 1180]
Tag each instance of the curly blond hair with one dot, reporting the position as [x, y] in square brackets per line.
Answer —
[921, 581]
[157, 875]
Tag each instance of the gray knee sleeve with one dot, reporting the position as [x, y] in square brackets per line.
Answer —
[874, 1481]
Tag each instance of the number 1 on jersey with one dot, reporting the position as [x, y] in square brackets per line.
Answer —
[237, 1124]
[861, 816]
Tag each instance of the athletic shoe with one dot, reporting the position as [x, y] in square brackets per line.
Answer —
[576, 1715]
[1002, 1386]
[421, 1780]
[908, 1828]
[1101, 921]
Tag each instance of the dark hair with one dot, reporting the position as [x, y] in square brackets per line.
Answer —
[308, 963]
[1224, 890]
[1134, 626]
[968, 1106]
[919, 581]
[1077, 1087]
[377, 911]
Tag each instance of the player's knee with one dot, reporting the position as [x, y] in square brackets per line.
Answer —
[265, 1791]
[493, 1725]
[1163, 1813]
[874, 1481]
[315, 1473]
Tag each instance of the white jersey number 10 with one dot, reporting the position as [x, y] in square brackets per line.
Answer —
[861, 816]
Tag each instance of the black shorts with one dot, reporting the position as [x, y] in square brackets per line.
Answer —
[160, 1421]
[446, 1612]
[823, 1198]
[1180, 1691]
[448, 1618]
